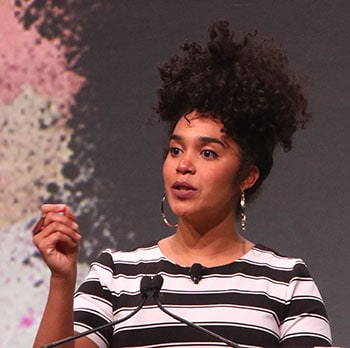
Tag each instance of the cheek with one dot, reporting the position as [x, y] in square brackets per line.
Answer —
[223, 180]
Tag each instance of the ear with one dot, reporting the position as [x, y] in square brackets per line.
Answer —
[251, 178]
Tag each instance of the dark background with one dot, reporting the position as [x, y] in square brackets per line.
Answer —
[301, 210]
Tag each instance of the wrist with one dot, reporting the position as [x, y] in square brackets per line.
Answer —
[63, 281]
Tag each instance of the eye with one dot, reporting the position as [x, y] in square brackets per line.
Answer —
[209, 154]
[174, 151]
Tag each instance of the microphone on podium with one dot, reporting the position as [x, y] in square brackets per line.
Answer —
[145, 291]
[149, 287]
[156, 285]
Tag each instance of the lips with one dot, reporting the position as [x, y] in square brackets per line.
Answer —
[183, 190]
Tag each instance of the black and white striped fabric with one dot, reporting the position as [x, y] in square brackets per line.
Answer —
[262, 299]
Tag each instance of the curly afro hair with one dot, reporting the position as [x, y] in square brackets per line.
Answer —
[246, 84]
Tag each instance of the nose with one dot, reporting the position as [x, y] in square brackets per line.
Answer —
[185, 166]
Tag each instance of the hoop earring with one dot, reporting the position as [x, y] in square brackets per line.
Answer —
[165, 220]
[243, 214]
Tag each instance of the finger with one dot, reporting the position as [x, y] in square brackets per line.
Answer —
[60, 241]
[54, 208]
[68, 213]
[60, 253]
[38, 226]
[61, 209]
[58, 227]
[56, 242]
[59, 218]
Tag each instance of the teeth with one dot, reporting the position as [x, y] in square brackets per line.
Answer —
[183, 188]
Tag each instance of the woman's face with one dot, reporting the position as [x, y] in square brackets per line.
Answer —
[201, 170]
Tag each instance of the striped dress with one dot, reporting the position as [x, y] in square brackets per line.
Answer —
[261, 299]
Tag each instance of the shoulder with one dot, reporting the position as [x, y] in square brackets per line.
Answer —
[109, 258]
[263, 254]
[112, 264]
[272, 260]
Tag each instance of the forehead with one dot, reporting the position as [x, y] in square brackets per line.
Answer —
[204, 130]
[194, 123]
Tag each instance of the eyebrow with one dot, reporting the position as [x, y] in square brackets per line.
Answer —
[203, 139]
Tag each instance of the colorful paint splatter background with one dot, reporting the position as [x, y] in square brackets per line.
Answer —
[60, 137]
[77, 85]
[36, 94]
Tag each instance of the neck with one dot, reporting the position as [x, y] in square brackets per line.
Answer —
[210, 245]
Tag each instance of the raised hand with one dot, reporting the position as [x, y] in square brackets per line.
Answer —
[56, 235]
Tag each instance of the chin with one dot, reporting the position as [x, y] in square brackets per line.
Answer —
[193, 214]
[184, 209]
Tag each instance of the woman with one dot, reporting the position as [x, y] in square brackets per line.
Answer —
[228, 106]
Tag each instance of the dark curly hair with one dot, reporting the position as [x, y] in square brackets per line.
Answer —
[246, 84]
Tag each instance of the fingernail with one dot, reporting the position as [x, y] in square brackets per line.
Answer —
[78, 236]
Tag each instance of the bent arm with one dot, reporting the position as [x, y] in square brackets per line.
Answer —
[57, 238]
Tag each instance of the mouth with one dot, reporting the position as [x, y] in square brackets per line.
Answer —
[183, 190]
[183, 186]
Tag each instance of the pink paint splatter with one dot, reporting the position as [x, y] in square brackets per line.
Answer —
[27, 320]
[26, 58]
